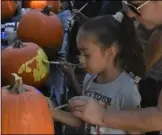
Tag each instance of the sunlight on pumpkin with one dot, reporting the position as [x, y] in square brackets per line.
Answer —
[41, 69]
[36, 4]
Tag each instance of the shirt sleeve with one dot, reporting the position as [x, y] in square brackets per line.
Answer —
[130, 98]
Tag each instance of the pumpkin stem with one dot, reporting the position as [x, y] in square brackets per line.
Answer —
[18, 44]
[17, 86]
[47, 10]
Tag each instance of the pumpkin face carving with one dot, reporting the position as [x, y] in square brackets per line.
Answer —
[35, 4]
[41, 27]
[25, 110]
[25, 59]
[8, 9]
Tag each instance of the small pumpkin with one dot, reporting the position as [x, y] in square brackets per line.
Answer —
[25, 110]
[41, 4]
[8, 9]
[41, 27]
[25, 59]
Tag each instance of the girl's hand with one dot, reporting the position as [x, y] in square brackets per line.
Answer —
[87, 109]
[68, 69]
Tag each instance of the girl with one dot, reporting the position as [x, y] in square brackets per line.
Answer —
[109, 52]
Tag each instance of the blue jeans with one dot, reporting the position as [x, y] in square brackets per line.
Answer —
[57, 78]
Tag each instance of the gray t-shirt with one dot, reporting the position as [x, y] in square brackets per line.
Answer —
[121, 93]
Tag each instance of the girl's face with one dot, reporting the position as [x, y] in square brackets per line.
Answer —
[93, 59]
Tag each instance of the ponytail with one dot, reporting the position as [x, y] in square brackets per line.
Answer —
[131, 52]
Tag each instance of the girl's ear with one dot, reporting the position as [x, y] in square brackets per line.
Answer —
[111, 51]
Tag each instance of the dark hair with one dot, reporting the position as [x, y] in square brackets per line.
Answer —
[109, 31]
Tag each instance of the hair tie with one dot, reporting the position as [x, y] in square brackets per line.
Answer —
[119, 16]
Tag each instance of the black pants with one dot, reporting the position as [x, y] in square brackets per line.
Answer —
[150, 90]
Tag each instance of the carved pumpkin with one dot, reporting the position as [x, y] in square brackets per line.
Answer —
[25, 59]
[35, 4]
[25, 110]
[41, 27]
[8, 9]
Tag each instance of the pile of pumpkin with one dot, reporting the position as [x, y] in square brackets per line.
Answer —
[24, 109]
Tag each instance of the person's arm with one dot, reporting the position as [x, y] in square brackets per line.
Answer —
[143, 120]
[67, 118]
[69, 71]
[153, 49]
[76, 86]
[63, 116]
[129, 98]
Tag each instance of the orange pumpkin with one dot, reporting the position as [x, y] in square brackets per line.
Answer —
[25, 110]
[8, 9]
[25, 59]
[41, 27]
[36, 4]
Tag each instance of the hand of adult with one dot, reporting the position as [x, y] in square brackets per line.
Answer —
[87, 109]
